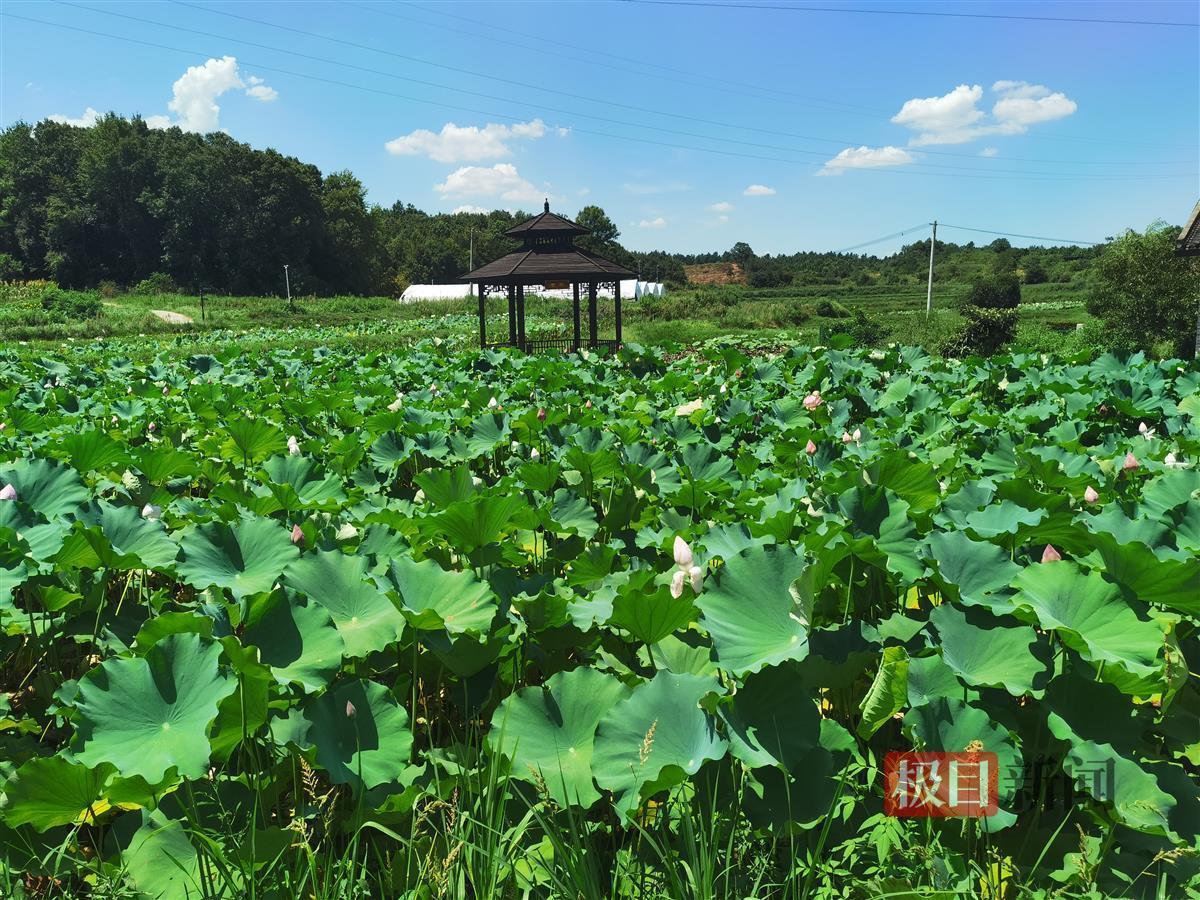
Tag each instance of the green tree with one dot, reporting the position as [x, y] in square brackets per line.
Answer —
[1145, 294]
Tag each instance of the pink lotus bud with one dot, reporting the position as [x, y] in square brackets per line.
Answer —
[1170, 460]
[857, 435]
[696, 574]
[588, 405]
[1130, 462]
[150, 428]
[351, 712]
[1050, 554]
[683, 553]
[541, 414]
[737, 373]
[8, 492]
[293, 446]
[810, 448]
[812, 401]
[297, 535]
[1103, 409]
[846, 437]
[1142, 428]
[677, 584]
[3, 425]
[1090, 494]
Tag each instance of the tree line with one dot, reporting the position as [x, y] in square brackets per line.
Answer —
[120, 202]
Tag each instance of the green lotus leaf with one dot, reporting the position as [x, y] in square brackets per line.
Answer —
[948, 725]
[1171, 582]
[161, 861]
[882, 532]
[888, 693]
[930, 677]
[479, 521]
[649, 612]
[978, 570]
[757, 613]
[655, 738]
[364, 615]
[358, 729]
[246, 557]
[91, 450]
[571, 514]
[298, 483]
[252, 440]
[1091, 617]
[548, 732]
[48, 791]
[1004, 517]
[298, 639]
[46, 486]
[989, 651]
[131, 541]
[435, 599]
[148, 714]
[773, 720]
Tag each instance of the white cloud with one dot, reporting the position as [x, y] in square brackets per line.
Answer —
[866, 158]
[659, 222]
[259, 90]
[87, 120]
[758, 190]
[721, 220]
[989, 151]
[158, 121]
[500, 180]
[563, 131]
[955, 118]
[469, 209]
[723, 207]
[465, 144]
[584, 191]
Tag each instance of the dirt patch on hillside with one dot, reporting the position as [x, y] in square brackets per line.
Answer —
[172, 318]
[715, 273]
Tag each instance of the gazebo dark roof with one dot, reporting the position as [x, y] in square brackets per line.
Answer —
[547, 221]
[550, 264]
[1188, 242]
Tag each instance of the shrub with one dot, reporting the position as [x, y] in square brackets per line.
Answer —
[65, 306]
[158, 283]
[865, 330]
[1145, 294]
[1002, 291]
[10, 268]
[108, 289]
[831, 309]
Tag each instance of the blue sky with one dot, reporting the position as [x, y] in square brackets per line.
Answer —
[694, 126]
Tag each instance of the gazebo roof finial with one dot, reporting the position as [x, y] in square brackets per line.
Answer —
[547, 204]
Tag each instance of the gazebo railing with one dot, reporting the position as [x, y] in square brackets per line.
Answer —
[550, 345]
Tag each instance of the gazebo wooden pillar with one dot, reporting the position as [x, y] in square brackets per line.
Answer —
[549, 260]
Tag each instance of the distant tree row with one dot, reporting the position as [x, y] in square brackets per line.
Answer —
[121, 202]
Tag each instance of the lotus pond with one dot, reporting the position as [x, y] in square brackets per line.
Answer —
[309, 622]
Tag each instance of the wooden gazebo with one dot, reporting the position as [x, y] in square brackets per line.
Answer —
[548, 260]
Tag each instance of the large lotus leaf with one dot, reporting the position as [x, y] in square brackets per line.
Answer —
[1102, 753]
[773, 720]
[571, 514]
[804, 795]
[655, 738]
[131, 541]
[988, 651]
[436, 599]
[481, 520]
[930, 677]
[251, 440]
[359, 730]
[548, 731]
[48, 791]
[147, 714]
[298, 483]
[757, 612]
[949, 725]
[1003, 518]
[882, 532]
[443, 487]
[298, 639]
[364, 615]
[1171, 582]
[90, 450]
[727, 541]
[161, 861]
[46, 486]
[888, 693]
[649, 612]
[978, 570]
[1091, 617]
[246, 557]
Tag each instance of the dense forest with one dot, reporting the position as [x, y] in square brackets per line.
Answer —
[120, 202]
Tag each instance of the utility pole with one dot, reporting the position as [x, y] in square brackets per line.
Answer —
[471, 260]
[929, 290]
[287, 281]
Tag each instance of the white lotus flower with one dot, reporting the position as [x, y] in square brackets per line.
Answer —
[688, 408]
[857, 435]
[293, 446]
[152, 512]
[1142, 428]
[677, 584]
[492, 404]
[534, 455]
[1171, 461]
[419, 497]
[696, 574]
[8, 492]
[683, 553]
[395, 405]
[346, 532]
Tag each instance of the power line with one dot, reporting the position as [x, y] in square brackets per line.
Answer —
[1028, 237]
[622, 137]
[574, 96]
[913, 12]
[888, 237]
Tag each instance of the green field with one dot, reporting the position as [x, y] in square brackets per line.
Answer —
[295, 614]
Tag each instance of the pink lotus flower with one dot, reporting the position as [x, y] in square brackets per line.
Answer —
[813, 400]
[541, 414]
[351, 712]
[8, 492]
[810, 448]
[1090, 494]
[588, 405]
[1130, 462]
[1050, 554]
[3, 425]
[846, 437]
[297, 535]
[683, 553]
[150, 429]
[857, 435]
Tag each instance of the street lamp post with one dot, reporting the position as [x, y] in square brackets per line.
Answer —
[287, 281]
